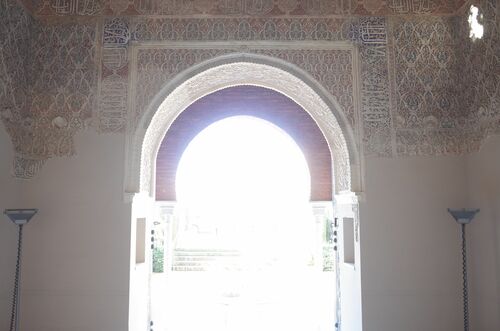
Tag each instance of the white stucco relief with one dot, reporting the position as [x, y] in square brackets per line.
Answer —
[233, 70]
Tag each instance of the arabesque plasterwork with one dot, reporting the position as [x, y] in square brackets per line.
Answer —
[330, 67]
[49, 84]
[479, 62]
[15, 26]
[425, 88]
[241, 7]
[428, 113]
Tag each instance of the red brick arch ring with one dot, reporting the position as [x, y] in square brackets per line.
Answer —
[245, 100]
[241, 70]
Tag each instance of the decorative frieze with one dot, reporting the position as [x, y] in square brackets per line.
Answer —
[227, 28]
[241, 8]
[114, 86]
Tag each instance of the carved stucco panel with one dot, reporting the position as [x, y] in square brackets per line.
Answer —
[65, 82]
[50, 88]
[228, 28]
[332, 68]
[114, 77]
[370, 33]
[429, 118]
[426, 88]
[479, 61]
[240, 7]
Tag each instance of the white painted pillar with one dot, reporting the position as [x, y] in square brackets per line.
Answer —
[140, 261]
[349, 266]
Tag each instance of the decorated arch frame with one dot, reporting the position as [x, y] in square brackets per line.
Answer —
[232, 68]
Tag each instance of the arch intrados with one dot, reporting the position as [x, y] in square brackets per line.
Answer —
[235, 70]
[255, 102]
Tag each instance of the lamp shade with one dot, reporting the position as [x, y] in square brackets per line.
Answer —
[20, 216]
[463, 216]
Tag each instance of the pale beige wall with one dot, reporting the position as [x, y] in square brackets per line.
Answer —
[483, 181]
[77, 249]
[76, 257]
[9, 198]
[409, 253]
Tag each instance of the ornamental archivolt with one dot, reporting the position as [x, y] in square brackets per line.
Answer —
[152, 128]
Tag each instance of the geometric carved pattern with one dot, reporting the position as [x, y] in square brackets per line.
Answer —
[424, 60]
[61, 84]
[113, 98]
[371, 35]
[425, 104]
[425, 87]
[241, 7]
[331, 67]
[114, 90]
[412, 6]
[47, 85]
[64, 73]
[67, 7]
[14, 96]
[218, 29]
[64, 84]
[480, 63]
[14, 46]
[116, 33]
[156, 67]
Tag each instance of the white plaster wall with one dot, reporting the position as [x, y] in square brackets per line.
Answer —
[483, 179]
[409, 244]
[76, 261]
[76, 257]
[9, 198]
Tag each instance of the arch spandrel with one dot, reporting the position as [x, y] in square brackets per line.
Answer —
[235, 70]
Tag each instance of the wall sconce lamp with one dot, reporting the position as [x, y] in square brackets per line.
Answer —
[20, 217]
[464, 217]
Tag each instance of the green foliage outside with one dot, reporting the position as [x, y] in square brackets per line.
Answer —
[158, 259]
[328, 258]
[328, 231]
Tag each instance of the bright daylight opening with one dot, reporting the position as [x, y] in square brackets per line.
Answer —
[476, 28]
[242, 249]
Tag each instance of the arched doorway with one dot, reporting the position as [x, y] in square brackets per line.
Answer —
[245, 69]
[244, 240]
